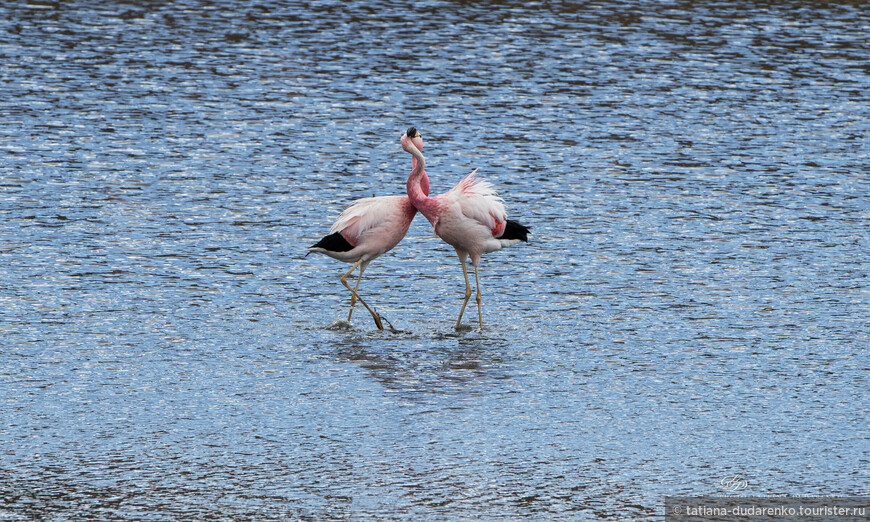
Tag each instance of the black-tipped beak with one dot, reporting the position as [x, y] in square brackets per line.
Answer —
[412, 132]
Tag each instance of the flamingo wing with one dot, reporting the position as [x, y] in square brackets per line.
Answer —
[364, 215]
[478, 200]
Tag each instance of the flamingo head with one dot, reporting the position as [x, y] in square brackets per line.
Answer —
[412, 135]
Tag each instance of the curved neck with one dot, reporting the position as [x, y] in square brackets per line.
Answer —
[424, 180]
[418, 186]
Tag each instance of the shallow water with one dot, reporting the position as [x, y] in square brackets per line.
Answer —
[692, 306]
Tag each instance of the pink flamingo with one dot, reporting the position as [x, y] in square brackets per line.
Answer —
[470, 217]
[367, 229]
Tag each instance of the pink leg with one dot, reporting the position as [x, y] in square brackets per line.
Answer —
[479, 298]
[467, 293]
[355, 296]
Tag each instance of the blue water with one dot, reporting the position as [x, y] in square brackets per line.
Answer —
[692, 306]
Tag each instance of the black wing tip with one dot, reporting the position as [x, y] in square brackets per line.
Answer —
[515, 230]
[334, 243]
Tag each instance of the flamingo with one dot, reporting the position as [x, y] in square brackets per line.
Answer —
[368, 228]
[470, 217]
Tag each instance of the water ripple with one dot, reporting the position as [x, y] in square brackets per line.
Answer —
[691, 306]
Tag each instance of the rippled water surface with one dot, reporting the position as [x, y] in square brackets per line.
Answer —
[692, 306]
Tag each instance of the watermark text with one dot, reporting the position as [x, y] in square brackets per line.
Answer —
[751, 509]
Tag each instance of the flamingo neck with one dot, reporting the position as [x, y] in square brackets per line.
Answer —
[418, 187]
[424, 180]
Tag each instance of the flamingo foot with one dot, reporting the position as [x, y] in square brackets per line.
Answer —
[389, 324]
[378, 321]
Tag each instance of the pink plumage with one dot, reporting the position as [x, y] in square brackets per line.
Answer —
[376, 224]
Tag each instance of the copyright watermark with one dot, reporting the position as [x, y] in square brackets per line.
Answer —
[734, 484]
[752, 509]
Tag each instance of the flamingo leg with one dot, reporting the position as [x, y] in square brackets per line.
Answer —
[354, 297]
[354, 294]
[479, 298]
[467, 293]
